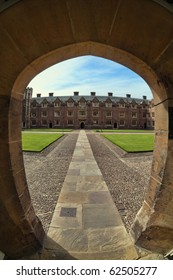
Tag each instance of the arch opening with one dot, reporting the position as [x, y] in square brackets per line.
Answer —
[121, 57]
[80, 121]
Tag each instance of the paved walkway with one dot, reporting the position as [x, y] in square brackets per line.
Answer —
[86, 223]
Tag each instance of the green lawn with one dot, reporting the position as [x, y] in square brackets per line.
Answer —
[47, 130]
[132, 142]
[125, 130]
[36, 142]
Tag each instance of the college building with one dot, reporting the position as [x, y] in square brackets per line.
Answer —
[87, 112]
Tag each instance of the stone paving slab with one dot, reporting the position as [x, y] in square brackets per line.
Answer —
[95, 229]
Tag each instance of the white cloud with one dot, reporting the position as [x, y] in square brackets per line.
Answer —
[86, 74]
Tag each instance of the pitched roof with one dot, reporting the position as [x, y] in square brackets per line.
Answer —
[77, 98]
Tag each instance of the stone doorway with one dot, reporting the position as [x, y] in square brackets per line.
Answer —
[82, 125]
[109, 37]
[115, 125]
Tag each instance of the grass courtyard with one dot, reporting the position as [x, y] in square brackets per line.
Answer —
[125, 130]
[47, 130]
[132, 143]
[36, 142]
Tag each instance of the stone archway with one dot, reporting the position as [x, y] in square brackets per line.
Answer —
[64, 29]
[82, 125]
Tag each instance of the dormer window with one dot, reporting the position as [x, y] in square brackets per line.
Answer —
[34, 104]
[70, 104]
[82, 104]
[44, 105]
[133, 106]
[108, 105]
[95, 104]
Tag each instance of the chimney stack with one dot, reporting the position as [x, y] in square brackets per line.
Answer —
[76, 93]
[50, 93]
[38, 94]
[144, 97]
[128, 95]
[110, 94]
[93, 93]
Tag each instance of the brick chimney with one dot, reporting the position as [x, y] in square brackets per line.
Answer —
[50, 93]
[76, 93]
[144, 97]
[128, 95]
[38, 94]
[110, 94]
[93, 93]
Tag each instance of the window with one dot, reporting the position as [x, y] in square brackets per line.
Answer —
[134, 106]
[44, 105]
[134, 123]
[95, 104]
[95, 113]
[56, 104]
[33, 114]
[134, 115]
[82, 113]
[70, 122]
[108, 105]
[44, 114]
[153, 114]
[82, 104]
[33, 105]
[70, 113]
[57, 122]
[95, 121]
[108, 114]
[122, 122]
[144, 115]
[44, 122]
[108, 122]
[57, 114]
[33, 122]
[122, 105]
[122, 114]
[70, 104]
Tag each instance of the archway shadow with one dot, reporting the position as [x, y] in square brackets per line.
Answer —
[50, 251]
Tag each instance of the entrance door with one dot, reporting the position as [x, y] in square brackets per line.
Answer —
[82, 125]
[115, 125]
[50, 125]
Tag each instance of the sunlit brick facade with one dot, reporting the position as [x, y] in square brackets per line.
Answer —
[92, 111]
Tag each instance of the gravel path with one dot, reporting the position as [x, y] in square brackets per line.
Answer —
[126, 177]
[45, 174]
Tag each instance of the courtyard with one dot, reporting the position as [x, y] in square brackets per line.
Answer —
[126, 175]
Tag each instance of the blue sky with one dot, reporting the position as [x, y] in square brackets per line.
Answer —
[89, 73]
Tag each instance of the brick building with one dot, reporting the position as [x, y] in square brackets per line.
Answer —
[87, 111]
